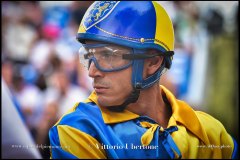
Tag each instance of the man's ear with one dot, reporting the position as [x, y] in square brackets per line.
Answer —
[151, 65]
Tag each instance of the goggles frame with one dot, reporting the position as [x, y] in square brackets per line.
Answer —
[135, 54]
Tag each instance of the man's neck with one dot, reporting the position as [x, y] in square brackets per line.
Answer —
[151, 104]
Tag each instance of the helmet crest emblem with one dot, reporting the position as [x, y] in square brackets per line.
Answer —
[99, 11]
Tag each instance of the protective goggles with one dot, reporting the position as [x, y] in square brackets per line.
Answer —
[110, 57]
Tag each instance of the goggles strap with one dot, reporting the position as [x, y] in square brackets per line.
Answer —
[145, 56]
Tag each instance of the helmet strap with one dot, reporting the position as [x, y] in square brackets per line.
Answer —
[138, 84]
[148, 82]
[132, 98]
[137, 70]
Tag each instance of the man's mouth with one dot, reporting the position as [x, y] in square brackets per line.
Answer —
[100, 89]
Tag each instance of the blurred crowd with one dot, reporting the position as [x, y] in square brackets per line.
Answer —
[41, 68]
[40, 63]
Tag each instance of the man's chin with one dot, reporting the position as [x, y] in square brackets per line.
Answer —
[105, 103]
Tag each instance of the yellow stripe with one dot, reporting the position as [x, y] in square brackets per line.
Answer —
[79, 143]
[81, 29]
[164, 35]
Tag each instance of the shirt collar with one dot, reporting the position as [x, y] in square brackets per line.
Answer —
[182, 113]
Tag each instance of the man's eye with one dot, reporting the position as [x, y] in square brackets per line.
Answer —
[106, 54]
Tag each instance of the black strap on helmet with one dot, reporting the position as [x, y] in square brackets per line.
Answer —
[145, 56]
[131, 99]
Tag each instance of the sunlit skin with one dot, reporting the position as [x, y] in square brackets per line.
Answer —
[113, 88]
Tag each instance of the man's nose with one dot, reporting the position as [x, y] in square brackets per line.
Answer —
[93, 71]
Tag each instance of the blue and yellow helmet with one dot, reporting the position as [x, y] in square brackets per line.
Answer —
[134, 24]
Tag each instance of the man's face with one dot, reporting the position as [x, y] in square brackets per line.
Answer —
[112, 88]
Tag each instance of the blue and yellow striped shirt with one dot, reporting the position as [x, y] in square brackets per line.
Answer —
[91, 131]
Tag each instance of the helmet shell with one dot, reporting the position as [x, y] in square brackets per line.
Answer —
[135, 24]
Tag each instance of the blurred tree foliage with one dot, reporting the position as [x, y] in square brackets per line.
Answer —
[222, 81]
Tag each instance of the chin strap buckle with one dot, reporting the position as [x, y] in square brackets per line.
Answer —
[138, 86]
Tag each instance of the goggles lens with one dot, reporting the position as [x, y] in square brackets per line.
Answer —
[106, 57]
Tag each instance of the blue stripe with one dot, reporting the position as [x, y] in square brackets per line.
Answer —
[235, 154]
[137, 13]
[85, 118]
